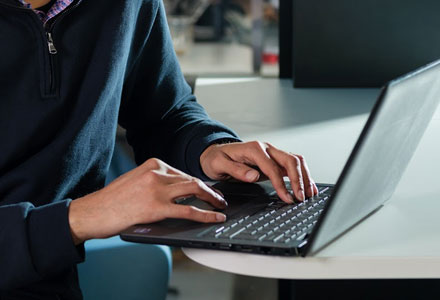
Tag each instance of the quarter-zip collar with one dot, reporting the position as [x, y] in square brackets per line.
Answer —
[49, 56]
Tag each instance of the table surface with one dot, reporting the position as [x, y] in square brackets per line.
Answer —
[401, 240]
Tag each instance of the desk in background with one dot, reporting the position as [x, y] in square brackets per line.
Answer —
[401, 240]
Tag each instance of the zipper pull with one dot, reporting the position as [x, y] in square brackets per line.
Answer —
[50, 44]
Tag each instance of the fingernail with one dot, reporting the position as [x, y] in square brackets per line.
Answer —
[302, 196]
[252, 175]
[217, 191]
[220, 193]
[289, 196]
[220, 217]
[218, 196]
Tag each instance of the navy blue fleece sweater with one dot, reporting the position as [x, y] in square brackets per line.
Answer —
[111, 61]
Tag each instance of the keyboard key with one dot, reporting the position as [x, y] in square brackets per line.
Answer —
[278, 238]
[301, 237]
[244, 236]
[270, 237]
[262, 237]
[323, 190]
[219, 229]
[236, 233]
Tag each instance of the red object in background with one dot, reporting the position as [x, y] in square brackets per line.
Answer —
[270, 58]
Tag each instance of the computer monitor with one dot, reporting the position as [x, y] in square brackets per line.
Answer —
[346, 43]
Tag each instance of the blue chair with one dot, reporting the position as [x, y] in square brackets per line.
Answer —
[115, 269]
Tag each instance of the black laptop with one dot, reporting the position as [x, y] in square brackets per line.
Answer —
[259, 222]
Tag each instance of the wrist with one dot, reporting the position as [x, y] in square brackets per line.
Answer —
[96, 216]
[76, 222]
[86, 218]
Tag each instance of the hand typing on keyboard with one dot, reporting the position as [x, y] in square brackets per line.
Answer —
[236, 160]
[276, 222]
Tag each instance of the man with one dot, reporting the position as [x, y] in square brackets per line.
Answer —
[70, 71]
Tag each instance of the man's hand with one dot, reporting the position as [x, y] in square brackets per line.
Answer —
[222, 161]
[144, 195]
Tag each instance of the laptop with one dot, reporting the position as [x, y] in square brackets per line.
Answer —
[348, 43]
[259, 222]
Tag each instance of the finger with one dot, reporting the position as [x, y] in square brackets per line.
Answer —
[195, 214]
[311, 188]
[216, 190]
[271, 169]
[197, 188]
[298, 173]
[227, 167]
[315, 189]
[292, 165]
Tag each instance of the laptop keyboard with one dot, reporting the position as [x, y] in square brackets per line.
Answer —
[278, 222]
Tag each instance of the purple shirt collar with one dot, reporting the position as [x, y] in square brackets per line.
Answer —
[56, 9]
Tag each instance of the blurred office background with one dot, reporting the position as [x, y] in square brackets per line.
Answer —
[225, 37]
[222, 38]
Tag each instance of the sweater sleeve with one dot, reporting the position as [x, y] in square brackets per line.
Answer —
[35, 242]
[158, 110]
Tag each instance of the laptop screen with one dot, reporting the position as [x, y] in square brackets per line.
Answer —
[382, 152]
